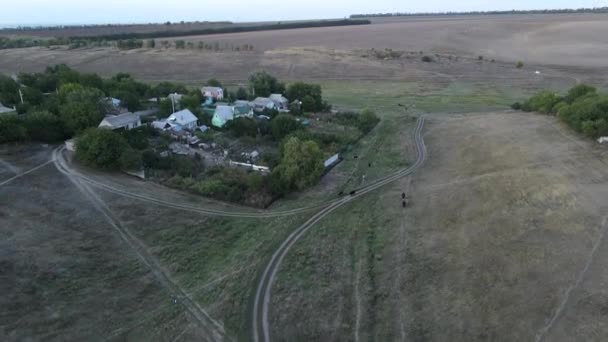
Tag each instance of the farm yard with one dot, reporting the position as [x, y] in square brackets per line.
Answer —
[502, 237]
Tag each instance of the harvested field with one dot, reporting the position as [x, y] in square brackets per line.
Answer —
[506, 215]
[571, 45]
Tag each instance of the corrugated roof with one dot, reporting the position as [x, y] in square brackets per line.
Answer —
[121, 120]
[262, 101]
[183, 117]
[224, 112]
[278, 97]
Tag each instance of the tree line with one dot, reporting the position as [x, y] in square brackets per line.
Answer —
[582, 108]
[538, 11]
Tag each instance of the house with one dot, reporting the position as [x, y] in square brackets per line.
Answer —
[261, 104]
[222, 115]
[215, 93]
[243, 108]
[125, 121]
[280, 101]
[184, 118]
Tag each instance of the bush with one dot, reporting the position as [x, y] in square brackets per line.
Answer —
[282, 125]
[516, 106]
[100, 148]
[367, 121]
[44, 127]
[519, 65]
[11, 129]
[427, 59]
[542, 102]
[301, 165]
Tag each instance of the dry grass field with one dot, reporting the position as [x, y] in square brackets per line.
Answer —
[504, 240]
[501, 237]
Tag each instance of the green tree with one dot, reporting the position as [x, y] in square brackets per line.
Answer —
[9, 91]
[301, 164]
[78, 116]
[180, 44]
[542, 102]
[263, 84]
[283, 125]
[130, 160]
[300, 91]
[44, 127]
[214, 83]
[11, 129]
[101, 148]
[241, 94]
[242, 127]
[308, 104]
[367, 120]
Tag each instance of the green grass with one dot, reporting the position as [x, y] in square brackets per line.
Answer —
[383, 96]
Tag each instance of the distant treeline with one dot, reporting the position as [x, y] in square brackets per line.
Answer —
[233, 29]
[94, 26]
[545, 11]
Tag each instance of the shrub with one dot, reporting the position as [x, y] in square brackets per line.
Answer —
[282, 125]
[44, 127]
[542, 102]
[427, 59]
[516, 106]
[11, 129]
[367, 120]
[100, 148]
[519, 65]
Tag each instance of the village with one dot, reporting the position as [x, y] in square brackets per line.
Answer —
[191, 140]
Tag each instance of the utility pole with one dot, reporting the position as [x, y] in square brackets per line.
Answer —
[21, 95]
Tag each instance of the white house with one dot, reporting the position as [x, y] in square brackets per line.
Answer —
[280, 101]
[125, 121]
[184, 118]
[216, 93]
[262, 103]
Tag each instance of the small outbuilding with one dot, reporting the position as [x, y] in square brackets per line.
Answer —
[222, 115]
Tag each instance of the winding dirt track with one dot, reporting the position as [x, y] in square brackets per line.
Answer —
[260, 307]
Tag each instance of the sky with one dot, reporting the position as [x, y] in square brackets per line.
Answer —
[56, 12]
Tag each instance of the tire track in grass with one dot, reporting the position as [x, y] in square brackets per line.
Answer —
[213, 329]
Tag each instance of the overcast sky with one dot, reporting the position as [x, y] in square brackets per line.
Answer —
[43, 12]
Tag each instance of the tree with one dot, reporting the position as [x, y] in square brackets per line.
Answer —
[214, 83]
[367, 120]
[151, 43]
[308, 104]
[192, 102]
[11, 129]
[9, 91]
[101, 148]
[242, 127]
[165, 108]
[301, 90]
[44, 127]
[81, 107]
[263, 84]
[282, 125]
[180, 44]
[301, 164]
[241, 94]
[130, 160]
[129, 100]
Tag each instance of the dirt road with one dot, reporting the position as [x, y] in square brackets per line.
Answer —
[259, 315]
